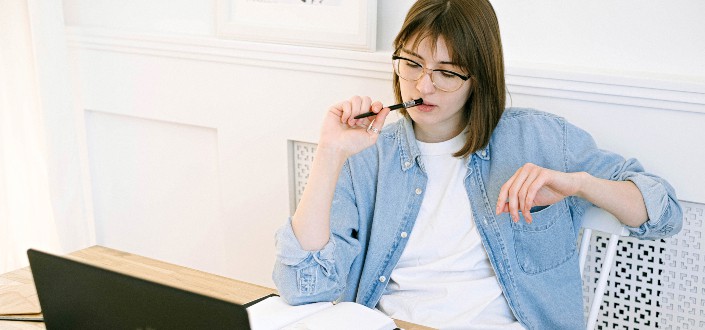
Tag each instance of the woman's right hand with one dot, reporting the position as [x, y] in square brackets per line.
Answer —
[345, 134]
[341, 137]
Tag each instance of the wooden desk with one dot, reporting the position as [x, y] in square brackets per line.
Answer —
[19, 283]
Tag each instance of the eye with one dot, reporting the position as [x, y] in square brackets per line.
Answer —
[448, 74]
[412, 64]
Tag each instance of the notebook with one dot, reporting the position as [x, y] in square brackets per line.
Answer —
[273, 313]
[74, 295]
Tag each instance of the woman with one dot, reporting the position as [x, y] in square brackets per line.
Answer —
[462, 214]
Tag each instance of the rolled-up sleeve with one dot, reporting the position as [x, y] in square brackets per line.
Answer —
[303, 276]
[665, 217]
[662, 206]
[300, 274]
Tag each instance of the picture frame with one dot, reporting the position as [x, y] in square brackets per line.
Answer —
[342, 24]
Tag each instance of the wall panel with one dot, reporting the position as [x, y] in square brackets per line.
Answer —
[160, 68]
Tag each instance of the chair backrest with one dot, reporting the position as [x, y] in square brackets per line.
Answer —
[598, 219]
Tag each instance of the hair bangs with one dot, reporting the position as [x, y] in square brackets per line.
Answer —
[442, 21]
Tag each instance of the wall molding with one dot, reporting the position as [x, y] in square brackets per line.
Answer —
[658, 92]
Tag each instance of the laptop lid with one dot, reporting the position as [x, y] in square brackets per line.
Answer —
[74, 295]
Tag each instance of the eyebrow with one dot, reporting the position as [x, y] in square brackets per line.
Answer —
[412, 53]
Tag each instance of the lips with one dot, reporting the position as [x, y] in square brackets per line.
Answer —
[425, 107]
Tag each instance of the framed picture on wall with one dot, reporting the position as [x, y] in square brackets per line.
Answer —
[344, 24]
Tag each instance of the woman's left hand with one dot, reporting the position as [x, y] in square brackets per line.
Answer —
[532, 185]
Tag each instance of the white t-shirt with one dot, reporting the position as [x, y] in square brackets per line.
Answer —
[444, 278]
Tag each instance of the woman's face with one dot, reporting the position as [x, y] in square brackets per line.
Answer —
[440, 118]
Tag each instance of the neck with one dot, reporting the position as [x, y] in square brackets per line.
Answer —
[436, 135]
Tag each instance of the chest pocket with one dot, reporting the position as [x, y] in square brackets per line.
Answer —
[546, 243]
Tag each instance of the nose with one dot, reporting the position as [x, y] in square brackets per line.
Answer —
[425, 83]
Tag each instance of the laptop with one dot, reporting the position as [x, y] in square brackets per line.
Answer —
[74, 295]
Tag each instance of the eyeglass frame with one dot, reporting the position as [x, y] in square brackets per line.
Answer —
[425, 69]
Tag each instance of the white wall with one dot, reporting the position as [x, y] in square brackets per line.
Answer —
[660, 38]
[631, 73]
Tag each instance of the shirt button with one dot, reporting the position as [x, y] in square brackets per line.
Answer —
[484, 153]
[418, 191]
[404, 234]
[407, 164]
[382, 278]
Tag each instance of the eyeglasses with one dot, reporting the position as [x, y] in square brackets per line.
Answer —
[445, 80]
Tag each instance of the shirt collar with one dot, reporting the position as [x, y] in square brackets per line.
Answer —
[410, 152]
[484, 152]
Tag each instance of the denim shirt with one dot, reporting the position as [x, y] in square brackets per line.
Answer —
[379, 193]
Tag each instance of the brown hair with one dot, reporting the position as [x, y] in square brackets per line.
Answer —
[471, 33]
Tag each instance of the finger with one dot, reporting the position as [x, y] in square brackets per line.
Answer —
[365, 106]
[504, 192]
[336, 109]
[347, 110]
[514, 193]
[356, 103]
[539, 183]
[375, 107]
[381, 117]
[525, 201]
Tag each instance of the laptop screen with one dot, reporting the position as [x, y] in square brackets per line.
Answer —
[74, 295]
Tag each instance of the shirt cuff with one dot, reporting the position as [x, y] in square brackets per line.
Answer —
[654, 194]
[290, 252]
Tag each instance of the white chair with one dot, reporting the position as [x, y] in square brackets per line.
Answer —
[600, 220]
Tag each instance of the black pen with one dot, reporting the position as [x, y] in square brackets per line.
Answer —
[407, 104]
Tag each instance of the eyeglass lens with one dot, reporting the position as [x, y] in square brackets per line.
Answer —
[412, 71]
